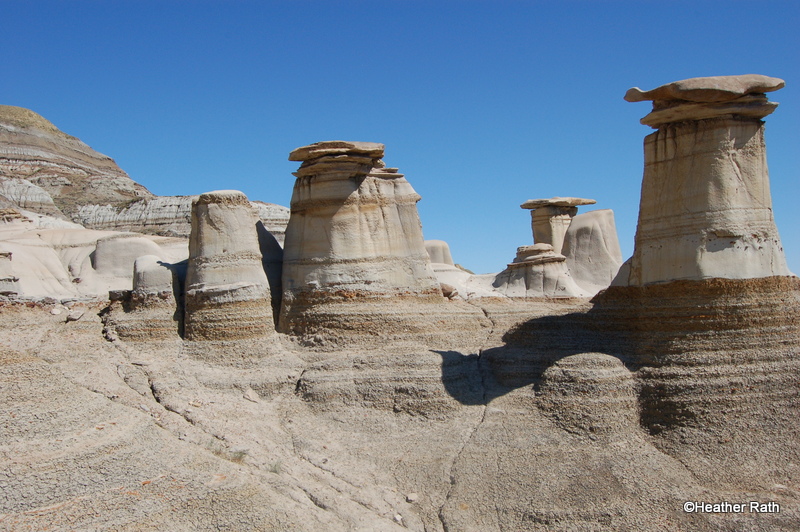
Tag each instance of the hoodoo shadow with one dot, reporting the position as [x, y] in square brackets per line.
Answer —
[533, 346]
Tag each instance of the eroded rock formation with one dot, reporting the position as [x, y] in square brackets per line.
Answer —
[168, 216]
[591, 247]
[531, 412]
[354, 226]
[227, 292]
[354, 238]
[706, 209]
[550, 218]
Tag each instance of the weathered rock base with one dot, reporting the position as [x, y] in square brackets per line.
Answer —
[718, 363]
[216, 315]
[353, 318]
[143, 317]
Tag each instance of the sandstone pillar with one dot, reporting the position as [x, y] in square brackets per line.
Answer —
[227, 292]
[706, 210]
[550, 218]
[354, 227]
[355, 262]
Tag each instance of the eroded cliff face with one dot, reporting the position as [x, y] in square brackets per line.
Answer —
[169, 216]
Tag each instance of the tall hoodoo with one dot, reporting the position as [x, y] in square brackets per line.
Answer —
[706, 209]
[354, 229]
[227, 292]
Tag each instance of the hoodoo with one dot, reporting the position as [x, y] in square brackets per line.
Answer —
[706, 210]
[550, 218]
[354, 237]
[227, 293]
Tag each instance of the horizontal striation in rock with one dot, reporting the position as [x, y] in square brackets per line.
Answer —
[28, 196]
[144, 317]
[349, 318]
[211, 319]
[428, 384]
[717, 365]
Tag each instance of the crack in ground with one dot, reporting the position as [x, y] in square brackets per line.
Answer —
[485, 399]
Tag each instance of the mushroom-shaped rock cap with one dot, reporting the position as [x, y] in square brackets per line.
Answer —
[373, 150]
[556, 202]
[225, 197]
[707, 90]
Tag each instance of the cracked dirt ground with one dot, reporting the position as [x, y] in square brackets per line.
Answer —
[100, 434]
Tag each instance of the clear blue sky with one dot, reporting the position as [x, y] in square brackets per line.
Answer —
[481, 104]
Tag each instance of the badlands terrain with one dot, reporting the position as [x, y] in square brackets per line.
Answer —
[215, 363]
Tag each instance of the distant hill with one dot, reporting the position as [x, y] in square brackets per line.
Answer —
[34, 150]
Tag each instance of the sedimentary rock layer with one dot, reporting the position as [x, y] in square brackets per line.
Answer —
[169, 216]
[717, 364]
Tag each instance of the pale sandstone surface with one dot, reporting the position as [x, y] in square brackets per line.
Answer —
[227, 291]
[591, 247]
[708, 89]
[151, 275]
[354, 257]
[354, 225]
[452, 279]
[439, 252]
[52, 260]
[550, 218]
[28, 196]
[704, 98]
[706, 209]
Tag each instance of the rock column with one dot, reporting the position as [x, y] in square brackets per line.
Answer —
[706, 210]
[354, 229]
[227, 292]
[355, 263]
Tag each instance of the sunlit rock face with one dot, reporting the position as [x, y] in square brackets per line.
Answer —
[591, 247]
[227, 292]
[168, 216]
[28, 196]
[354, 225]
[150, 312]
[706, 209]
[354, 258]
[550, 218]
